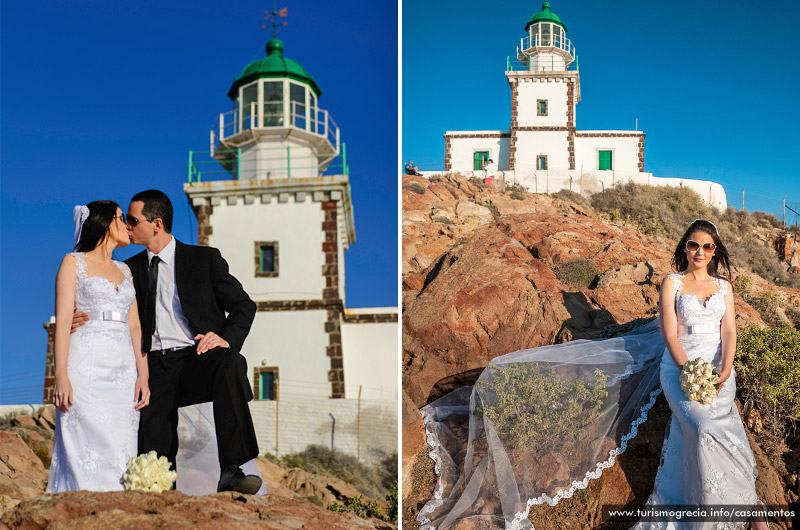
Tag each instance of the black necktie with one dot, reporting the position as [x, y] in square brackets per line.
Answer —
[152, 292]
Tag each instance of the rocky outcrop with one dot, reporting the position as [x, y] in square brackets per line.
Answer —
[296, 498]
[22, 474]
[173, 509]
[788, 248]
[542, 271]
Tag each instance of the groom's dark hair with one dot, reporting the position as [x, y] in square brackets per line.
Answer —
[156, 205]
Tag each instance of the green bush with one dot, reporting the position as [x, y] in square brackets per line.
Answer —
[364, 509]
[533, 410]
[767, 367]
[337, 507]
[391, 498]
[579, 273]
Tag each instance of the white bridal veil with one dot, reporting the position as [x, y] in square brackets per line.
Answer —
[537, 426]
[197, 460]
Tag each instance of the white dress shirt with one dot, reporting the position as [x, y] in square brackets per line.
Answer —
[172, 326]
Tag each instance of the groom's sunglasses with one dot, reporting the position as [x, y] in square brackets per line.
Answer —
[692, 246]
[132, 221]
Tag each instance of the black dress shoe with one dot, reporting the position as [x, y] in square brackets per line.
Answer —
[233, 479]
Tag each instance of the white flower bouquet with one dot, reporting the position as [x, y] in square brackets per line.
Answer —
[148, 472]
[700, 381]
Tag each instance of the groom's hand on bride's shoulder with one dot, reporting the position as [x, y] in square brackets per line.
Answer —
[78, 319]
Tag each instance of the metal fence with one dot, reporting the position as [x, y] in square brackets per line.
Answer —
[786, 210]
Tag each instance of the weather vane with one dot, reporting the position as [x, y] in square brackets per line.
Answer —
[274, 14]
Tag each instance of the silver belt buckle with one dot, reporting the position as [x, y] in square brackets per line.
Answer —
[701, 328]
[112, 315]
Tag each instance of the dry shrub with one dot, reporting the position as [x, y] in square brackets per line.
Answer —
[416, 187]
[369, 480]
[579, 273]
[573, 197]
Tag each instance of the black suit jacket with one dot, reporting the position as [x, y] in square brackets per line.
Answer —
[206, 290]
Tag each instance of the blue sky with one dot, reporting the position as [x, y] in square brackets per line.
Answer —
[713, 84]
[101, 99]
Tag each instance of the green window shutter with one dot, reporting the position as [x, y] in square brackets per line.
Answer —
[604, 160]
[479, 157]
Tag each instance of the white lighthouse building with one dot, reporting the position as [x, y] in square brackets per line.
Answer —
[542, 149]
[273, 194]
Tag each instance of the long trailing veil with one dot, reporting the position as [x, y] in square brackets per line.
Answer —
[537, 426]
[197, 460]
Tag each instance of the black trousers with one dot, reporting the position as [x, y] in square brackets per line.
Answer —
[183, 378]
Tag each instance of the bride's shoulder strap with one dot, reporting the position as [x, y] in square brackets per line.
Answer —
[124, 268]
[80, 263]
[723, 285]
[677, 281]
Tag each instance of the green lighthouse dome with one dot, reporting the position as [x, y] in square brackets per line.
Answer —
[274, 65]
[545, 15]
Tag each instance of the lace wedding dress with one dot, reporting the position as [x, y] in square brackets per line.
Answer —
[706, 458]
[97, 437]
[539, 424]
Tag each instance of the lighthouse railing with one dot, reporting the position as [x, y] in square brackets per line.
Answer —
[529, 64]
[262, 163]
[310, 119]
[548, 41]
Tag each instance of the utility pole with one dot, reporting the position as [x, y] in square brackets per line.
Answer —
[743, 198]
[784, 212]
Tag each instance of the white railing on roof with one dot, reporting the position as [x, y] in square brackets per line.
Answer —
[299, 116]
[548, 41]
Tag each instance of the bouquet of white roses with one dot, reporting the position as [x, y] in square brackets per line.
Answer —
[699, 381]
[148, 472]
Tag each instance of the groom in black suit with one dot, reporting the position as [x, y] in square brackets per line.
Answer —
[183, 293]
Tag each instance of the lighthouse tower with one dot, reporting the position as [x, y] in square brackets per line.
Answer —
[273, 194]
[545, 88]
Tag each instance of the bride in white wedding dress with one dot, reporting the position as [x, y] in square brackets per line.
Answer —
[539, 424]
[100, 373]
[706, 458]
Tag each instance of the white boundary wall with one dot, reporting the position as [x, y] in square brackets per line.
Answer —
[589, 182]
[288, 426]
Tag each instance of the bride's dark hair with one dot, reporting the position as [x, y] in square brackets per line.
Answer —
[720, 259]
[95, 227]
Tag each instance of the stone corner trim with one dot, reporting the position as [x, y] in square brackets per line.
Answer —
[370, 318]
[330, 271]
[204, 228]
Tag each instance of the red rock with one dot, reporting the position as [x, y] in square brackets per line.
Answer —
[22, 474]
[491, 289]
[23, 421]
[136, 510]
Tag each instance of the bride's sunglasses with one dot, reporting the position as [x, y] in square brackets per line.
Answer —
[693, 246]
